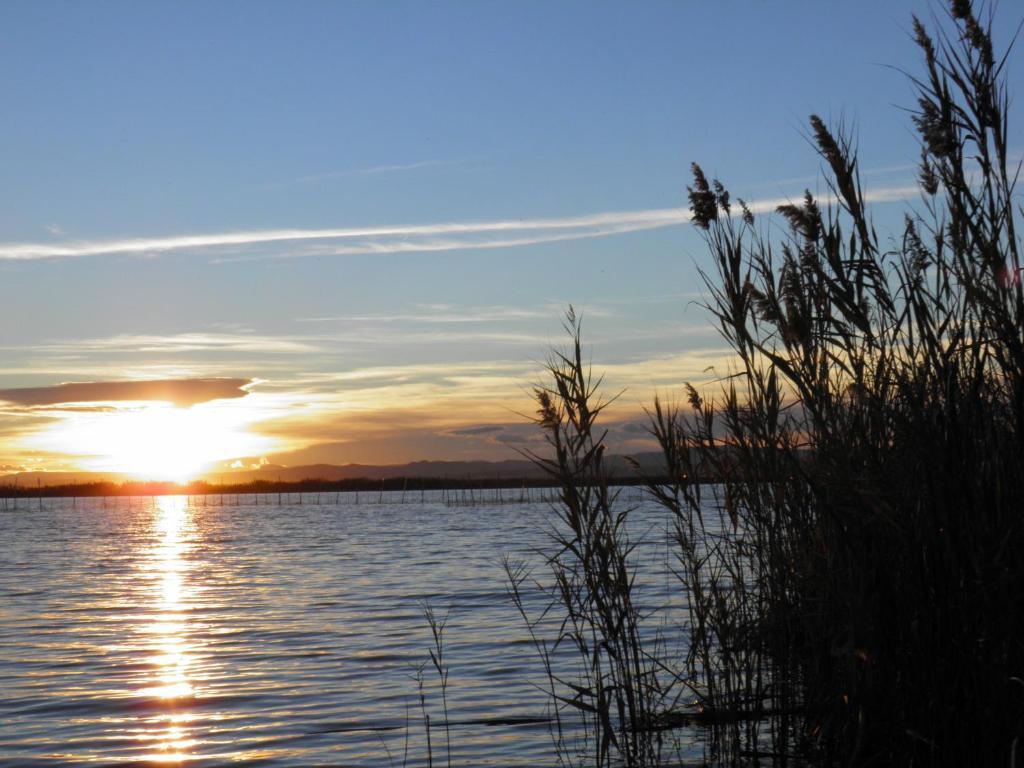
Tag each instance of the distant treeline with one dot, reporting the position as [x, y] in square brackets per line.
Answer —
[311, 485]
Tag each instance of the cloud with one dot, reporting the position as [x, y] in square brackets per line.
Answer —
[433, 245]
[643, 219]
[176, 343]
[396, 167]
[181, 392]
[249, 463]
[482, 430]
[73, 407]
[373, 170]
[402, 238]
[635, 427]
[519, 438]
[445, 314]
[384, 414]
[198, 342]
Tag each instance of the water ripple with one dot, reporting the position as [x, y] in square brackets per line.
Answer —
[175, 632]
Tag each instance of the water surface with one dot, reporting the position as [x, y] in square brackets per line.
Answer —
[179, 630]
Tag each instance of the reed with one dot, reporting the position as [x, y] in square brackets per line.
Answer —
[438, 625]
[854, 581]
[619, 688]
[862, 577]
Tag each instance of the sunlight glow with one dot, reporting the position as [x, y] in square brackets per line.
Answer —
[156, 441]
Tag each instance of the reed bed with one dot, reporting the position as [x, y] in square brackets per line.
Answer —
[855, 583]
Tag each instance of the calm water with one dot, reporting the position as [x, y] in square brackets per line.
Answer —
[167, 631]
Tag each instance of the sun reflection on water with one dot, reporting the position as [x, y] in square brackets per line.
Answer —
[171, 687]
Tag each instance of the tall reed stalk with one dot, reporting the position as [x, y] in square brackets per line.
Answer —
[861, 564]
[617, 691]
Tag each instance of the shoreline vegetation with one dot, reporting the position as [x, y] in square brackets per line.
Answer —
[854, 584]
[412, 486]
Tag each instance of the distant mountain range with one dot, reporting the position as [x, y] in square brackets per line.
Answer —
[513, 469]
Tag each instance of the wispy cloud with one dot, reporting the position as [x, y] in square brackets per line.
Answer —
[627, 219]
[430, 245]
[372, 170]
[402, 238]
[444, 314]
[396, 167]
[173, 343]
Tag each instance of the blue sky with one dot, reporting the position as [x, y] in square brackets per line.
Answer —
[127, 126]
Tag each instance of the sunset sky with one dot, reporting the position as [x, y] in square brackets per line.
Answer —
[346, 232]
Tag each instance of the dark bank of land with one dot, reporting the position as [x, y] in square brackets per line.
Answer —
[324, 478]
[309, 485]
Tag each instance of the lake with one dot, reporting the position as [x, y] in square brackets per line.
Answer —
[183, 630]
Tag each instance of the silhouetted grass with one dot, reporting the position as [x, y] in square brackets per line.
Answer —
[871, 515]
[855, 583]
[620, 687]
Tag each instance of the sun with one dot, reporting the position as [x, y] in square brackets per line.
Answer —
[157, 441]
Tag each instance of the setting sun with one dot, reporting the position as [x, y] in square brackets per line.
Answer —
[156, 441]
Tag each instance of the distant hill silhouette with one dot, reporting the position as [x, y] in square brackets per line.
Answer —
[485, 471]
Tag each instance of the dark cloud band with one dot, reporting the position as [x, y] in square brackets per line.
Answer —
[181, 392]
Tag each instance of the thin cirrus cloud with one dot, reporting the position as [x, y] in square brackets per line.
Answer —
[447, 314]
[199, 342]
[172, 343]
[597, 223]
[372, 170]
[448, 236]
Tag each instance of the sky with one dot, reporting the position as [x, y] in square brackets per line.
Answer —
[347, 231]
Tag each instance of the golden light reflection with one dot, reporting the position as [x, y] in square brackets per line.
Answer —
[171, 685]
